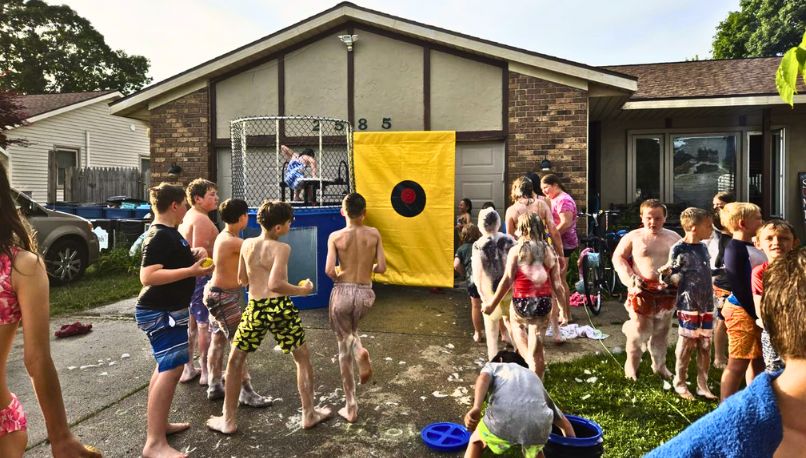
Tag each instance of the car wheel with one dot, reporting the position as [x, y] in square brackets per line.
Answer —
[66, 261]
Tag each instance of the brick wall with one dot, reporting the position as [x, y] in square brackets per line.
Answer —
[179, 131]
[548, 119]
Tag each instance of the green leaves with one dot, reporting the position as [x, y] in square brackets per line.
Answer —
[793, 63]
[50, 48]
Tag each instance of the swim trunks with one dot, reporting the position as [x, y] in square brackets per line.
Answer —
[168, 334]
[277, 315]
[226, 307]
[744, 337]
[12, 418]
[653, 298]
[197, 307]
[694, 324]
[349, 302]
[294, 172]
[472, 291]
[500, 446]
[532, 307]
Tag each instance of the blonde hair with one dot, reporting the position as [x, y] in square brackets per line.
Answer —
[652, 203]
[783, 305]
[532, 243]
[521, 187]
[693, 216]
[734, 212]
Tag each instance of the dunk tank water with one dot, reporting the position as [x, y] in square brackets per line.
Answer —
[308, 240]
[587, 444]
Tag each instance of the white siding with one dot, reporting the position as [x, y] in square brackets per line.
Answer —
[112, 143]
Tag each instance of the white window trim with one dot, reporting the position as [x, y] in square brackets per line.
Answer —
[781, 178]
[63, 148]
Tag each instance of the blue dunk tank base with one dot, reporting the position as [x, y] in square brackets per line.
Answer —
[308, 240]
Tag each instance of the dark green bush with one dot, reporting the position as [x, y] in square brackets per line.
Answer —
[116, 261]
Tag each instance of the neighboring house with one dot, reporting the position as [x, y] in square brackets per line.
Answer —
[678, 131]
[75, 130]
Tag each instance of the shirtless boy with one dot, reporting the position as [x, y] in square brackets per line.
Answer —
[223, 297]
[359, 251]
[200, 232]
[263, 266]
[649, 303]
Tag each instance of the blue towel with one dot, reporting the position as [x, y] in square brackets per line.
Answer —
[747, 424]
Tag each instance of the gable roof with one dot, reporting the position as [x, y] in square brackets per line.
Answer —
[346, 12]
[36, 106]
[704, 78]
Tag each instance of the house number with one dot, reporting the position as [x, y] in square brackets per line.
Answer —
[386, 123]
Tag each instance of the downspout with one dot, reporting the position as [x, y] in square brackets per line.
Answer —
[87, 147]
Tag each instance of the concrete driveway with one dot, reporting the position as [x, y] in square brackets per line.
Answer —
[424, 360]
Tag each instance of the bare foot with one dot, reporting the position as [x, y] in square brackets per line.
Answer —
[215, 391]
[684, 393]
[203, 377]
[706, 393]
[248, 397]
[630, 373]
[189, 373]
[318, 415]
[162, 451]
[221, 425]
[174, 428]
[664, 373]
[477, 337]
[364, 366]
[349, 413]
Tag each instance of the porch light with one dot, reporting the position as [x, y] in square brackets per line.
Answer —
[545, 164]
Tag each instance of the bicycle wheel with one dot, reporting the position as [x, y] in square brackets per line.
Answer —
[592, 282]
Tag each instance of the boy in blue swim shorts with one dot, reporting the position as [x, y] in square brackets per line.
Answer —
[295, 169]
[263, 266]
[168, 271]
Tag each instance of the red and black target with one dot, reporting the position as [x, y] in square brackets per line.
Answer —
[408, 198]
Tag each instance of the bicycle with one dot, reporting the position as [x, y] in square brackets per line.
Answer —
[597, 273]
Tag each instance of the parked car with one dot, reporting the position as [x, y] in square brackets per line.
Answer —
[66, 241]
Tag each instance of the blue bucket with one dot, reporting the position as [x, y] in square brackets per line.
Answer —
[588, 443]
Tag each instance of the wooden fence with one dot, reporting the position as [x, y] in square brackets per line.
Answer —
[96, 184]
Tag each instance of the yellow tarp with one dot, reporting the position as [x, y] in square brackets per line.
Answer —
[419, 249]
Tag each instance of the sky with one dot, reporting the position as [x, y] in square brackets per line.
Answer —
[176, 35]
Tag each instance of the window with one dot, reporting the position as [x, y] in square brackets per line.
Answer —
[702, 165]
[648, 159]
[755, 167]
[65, 158]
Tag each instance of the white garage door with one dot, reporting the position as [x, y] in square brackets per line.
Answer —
[480, 174]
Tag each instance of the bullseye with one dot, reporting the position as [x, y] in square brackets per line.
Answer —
[408, 198]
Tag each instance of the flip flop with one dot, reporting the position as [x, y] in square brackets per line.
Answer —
[74, 329]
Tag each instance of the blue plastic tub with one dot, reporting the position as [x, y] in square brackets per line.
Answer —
[308, 240]
[62, 207]
[93, 212]
[141, 211]
[118, 213]
[589, 442]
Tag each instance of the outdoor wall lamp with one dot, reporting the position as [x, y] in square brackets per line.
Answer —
[348, 40]
[545, 164]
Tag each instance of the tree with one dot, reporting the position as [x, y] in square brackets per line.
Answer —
[11, 115]
[50, 48]
[761, 28]
[792, 65]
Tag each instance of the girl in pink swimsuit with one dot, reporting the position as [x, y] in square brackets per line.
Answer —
[24, 294]
[533, 272]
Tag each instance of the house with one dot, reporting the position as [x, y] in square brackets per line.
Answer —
[74, 130]
[678, 131]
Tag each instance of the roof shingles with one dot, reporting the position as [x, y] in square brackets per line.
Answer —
[37, 104]
[704, 78]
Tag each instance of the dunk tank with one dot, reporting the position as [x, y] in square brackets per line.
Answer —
[407, 179]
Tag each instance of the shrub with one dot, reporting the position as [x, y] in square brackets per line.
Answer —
[116, 261]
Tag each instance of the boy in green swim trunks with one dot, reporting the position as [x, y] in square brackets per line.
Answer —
[263, 266]
[519, 410]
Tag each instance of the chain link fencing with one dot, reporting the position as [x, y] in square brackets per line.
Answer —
[303, 160]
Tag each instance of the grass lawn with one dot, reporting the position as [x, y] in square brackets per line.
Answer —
[635, 416]
[93, 290]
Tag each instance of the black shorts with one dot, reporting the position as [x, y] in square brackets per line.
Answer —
[532, 307]
[473, 292]
[567, 252]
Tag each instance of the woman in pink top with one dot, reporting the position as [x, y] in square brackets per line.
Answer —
[24, 295]
[564, 211]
